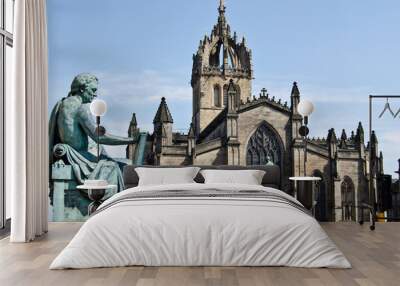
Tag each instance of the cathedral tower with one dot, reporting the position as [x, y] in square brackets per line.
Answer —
[219, 59]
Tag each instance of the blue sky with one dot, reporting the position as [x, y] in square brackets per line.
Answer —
[338, 51]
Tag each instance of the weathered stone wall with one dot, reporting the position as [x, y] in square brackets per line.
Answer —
[351, 168]
[204, 94]
[175, 160]
[213, 157]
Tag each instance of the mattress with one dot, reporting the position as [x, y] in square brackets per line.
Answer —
[201, 225]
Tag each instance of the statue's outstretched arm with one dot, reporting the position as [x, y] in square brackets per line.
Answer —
[87, 123]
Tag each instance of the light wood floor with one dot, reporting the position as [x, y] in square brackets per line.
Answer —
[375, 257]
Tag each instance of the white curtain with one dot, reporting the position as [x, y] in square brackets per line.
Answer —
[26, 117]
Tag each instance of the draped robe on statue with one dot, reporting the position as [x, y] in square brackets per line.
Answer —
[84, 163]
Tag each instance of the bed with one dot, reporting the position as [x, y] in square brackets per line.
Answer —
[201, 224]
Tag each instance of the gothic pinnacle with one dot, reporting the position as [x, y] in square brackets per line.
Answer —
[221, 8]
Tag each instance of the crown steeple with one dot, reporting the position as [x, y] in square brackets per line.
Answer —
[220, 57]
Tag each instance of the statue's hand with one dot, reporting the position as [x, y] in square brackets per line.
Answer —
[88, 125]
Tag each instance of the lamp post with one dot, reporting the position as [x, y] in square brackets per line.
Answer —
[98, 108]
[305, 108]
[398, 172]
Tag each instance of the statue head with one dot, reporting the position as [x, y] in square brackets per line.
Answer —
[85, 85]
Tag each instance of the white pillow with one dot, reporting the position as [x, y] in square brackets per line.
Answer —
[166, 176]
[248, 177]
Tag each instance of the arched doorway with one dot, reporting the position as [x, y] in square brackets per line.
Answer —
[264, 147]
[321, 208]
[348, 199]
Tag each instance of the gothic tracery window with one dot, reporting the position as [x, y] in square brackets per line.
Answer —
[263, 147]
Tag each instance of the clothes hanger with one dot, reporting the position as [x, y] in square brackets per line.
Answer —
[387, 107]
[397, 113]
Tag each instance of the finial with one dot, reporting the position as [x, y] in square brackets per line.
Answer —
[344, 135]
[163, 99]
[295, 90]
[221, 8]
[264, 91]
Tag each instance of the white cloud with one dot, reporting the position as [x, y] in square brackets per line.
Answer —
[144, 87]
[140, 93]
[391, 137]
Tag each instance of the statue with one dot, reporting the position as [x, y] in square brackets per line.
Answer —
[72, 126]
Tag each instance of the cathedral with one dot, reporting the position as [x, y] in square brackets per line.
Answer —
[231, 126]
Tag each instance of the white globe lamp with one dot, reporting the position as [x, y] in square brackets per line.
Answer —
[305, 107]
[98, 107]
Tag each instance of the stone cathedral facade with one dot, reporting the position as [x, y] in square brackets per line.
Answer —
[231, 126]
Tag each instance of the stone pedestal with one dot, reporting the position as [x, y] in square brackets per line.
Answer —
[63, 180]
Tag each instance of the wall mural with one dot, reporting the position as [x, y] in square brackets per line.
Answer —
[224, 113]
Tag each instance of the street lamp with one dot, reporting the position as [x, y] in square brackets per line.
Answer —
[98, 108]
[305, 108]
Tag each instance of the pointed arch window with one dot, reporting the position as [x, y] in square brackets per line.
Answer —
[217, 96]
[264, 147]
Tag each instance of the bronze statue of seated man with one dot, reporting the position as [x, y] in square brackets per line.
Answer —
[72, 126]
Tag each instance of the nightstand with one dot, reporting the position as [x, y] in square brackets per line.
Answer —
[306, 190]
[95, 193]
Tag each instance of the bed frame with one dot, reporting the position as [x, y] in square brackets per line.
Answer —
[272, 177]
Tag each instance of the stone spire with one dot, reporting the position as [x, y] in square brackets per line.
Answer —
[295, 90]
[296, 118]
[331, 136]
[343, 137]
[163, 114]
[191, 133]
[133, 120]
[295, 99]
[360, 134]
[221, 8]
[132, 126]
[163, 126]
[374, 139]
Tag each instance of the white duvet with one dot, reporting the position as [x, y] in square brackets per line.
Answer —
[194, 231]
